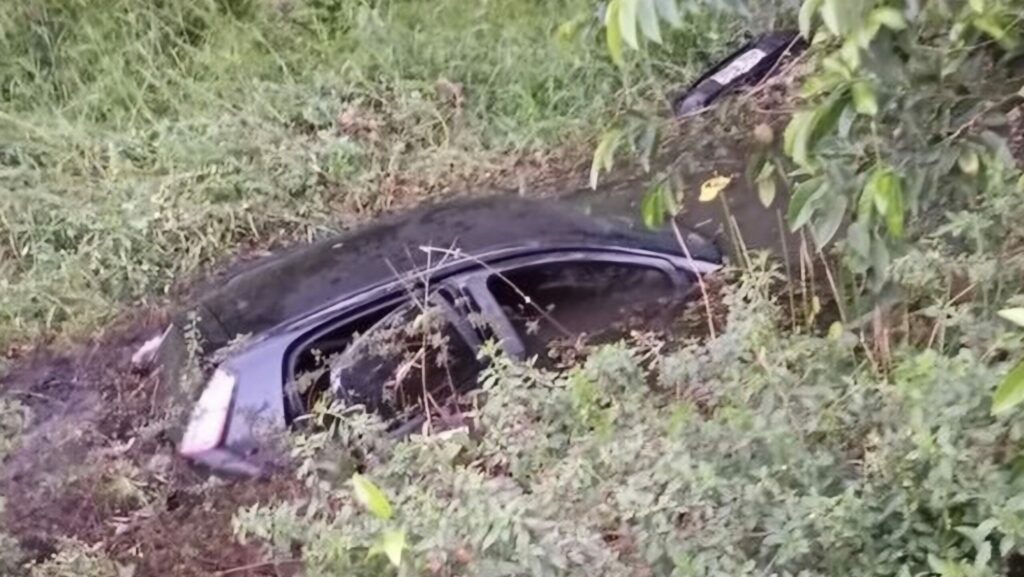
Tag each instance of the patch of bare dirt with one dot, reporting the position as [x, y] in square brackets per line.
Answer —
[97, 463]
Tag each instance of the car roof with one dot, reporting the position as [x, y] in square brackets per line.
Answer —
[308, 279]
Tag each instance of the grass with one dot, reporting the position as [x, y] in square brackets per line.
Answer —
[141, 141]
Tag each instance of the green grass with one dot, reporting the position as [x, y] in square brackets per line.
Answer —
[140, 140]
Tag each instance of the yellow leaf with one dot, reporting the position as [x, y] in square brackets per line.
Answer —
[713, 186]
[371, 497]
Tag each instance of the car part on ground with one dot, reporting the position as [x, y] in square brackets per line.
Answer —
[393, 317]
[747, 66]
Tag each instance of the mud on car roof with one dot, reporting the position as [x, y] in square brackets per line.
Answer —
[393, 317]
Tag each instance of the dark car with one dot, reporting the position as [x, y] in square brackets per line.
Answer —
[392, 317]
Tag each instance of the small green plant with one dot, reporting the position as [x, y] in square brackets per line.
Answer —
[1011, 391]
[391, 541]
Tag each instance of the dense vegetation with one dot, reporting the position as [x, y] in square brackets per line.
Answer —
[143, 140]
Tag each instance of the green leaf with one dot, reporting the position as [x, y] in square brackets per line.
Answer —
[832, 16]
[669, 12]
[886, 189]
[766, 185]
[988, 24]
[392, 544]
[604, 154]
[889, 17]
[646, 144]
[802, 203]
[808, 126]
[850, 51]
[569, 30]
[797, 138]
[1015, 316]
[371, 497]
[648, 17]
[859, 239]
[846, 119]
[1010, 392]
[837, 66]
[658, 202]
[613, 34]
[864, 100]
[894, 219]
[824, 228]
[627, 22]
[828, 114]
[866, 205]
[806, 16]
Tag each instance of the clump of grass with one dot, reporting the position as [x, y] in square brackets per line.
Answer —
[140, 141]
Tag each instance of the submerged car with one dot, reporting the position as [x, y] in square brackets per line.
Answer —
[392, 317]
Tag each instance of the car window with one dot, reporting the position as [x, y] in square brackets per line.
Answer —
[601, 301]
[405, 359]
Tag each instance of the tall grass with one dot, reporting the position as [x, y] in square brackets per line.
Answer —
[141, 139]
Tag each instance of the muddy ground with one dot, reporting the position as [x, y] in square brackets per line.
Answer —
[98, 461]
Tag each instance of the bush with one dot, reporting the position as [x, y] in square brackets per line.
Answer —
[754, 453]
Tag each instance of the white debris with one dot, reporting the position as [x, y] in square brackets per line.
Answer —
[145, 356]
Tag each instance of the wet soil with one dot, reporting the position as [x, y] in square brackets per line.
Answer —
[98, 463]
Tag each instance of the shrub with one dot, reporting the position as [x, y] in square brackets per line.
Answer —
[756, 452]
